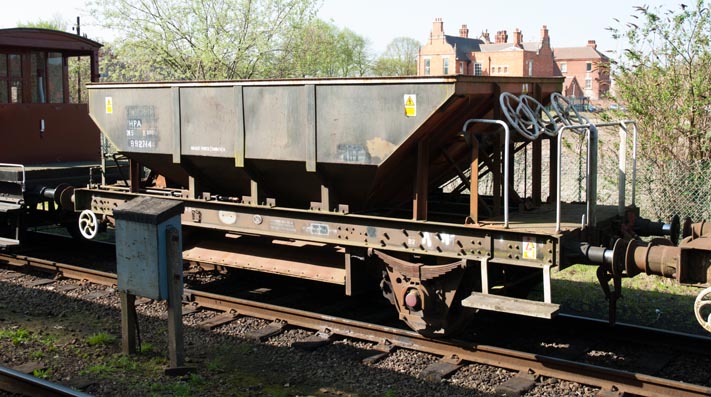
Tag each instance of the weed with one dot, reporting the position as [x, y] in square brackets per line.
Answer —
[147, 348]
[17, 336]
[196, 380]
[42, 373]
[37, 354]
[179, 389]
[102, 338]
[48, 341]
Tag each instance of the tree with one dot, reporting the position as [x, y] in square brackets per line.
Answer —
[321, 49]
[203, 39]
[399, 58]
[55, 23]
[664, 78]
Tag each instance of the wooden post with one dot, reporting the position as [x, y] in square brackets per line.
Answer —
[128, 323]
[176, 353]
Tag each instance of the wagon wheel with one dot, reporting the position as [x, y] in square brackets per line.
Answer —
[702, 309]
[519, 116]
[566, 112]
[88, 224]
[545, 120]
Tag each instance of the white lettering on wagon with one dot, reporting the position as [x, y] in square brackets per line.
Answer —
[428, 238]
[318, 229]
[282, 225]
[213, 149]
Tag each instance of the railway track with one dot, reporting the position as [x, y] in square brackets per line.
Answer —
[452, 353]
[13, 381]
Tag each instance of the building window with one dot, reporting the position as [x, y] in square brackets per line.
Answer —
[477, 69]
[3, 78]
[427, 66]
[530, 68]
[588, 84]
[15, 77]
[588, 66]
[461, 68]
[55, 82]
[506, 69]
[38, 68]
[564, 67]
[445, 66]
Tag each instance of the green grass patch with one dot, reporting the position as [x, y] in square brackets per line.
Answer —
[120, 363]
[646, 300]
[190, 386]
[146, 348]
[101, 338]
[42, 373]
[16, 336]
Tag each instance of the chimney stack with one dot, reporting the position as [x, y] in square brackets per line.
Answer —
[485, 37]
[438, 28]
[518, 38]
[545, 39]
[464, 32]
[591, 43]
[501, 37]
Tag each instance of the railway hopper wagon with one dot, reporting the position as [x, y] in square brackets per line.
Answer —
[337, 180]
[48, 143]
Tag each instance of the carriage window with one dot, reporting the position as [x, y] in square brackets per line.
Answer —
[3, 78]
[15, 67]
[38, 65]
[55, 81]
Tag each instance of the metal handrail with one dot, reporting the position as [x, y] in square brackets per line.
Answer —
[507, 132]
[591, 170]
[621, 177]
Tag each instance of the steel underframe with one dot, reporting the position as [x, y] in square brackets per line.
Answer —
[425, 238]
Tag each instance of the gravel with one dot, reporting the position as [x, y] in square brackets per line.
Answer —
[60, 318]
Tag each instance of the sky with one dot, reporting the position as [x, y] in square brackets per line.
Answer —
[570, 24]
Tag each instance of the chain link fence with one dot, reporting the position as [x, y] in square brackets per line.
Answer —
[661, 190]
[676, 187]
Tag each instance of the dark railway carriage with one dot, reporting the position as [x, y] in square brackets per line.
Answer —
[48, 143]
[333, 180]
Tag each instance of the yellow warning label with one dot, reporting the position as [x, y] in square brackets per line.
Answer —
[410, 105]
[109, 105]
[529, 248]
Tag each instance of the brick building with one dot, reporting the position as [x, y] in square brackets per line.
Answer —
[584, 67]
[588, 65]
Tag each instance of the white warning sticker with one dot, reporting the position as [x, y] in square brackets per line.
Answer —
[529, 248]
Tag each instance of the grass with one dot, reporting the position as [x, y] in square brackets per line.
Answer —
[16, 336]
[42, 373]
[101, 338]
[646, 300]
[190, 386]
[120, 363]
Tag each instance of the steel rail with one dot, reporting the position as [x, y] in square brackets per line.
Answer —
[69, 271]
[605, 378]
[27, 385]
